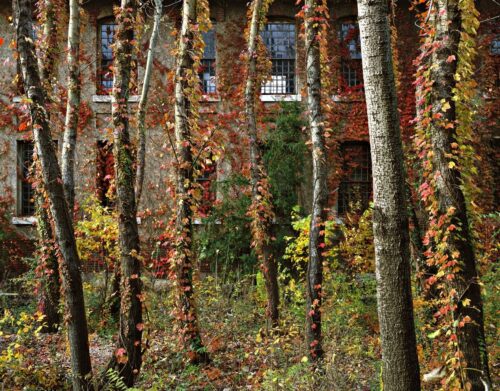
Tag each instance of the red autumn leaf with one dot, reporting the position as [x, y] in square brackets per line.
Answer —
[23, 126]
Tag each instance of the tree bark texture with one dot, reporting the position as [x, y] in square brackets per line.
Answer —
[130, 332]
[261, 202]
[320, 185]
[141, 111]
[183, 262]
[70, 267]
[50, 287]
[49, 43]
[471, 339]
[400, 368]
[73, 104]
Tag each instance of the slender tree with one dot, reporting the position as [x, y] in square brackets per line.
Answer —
[400, 369]
[261, 208]
[320, 179]
[51, 173]
[185, 115]
[73, 103]
[143, 101]
[448, 18]
[50, 287]
[128, 357]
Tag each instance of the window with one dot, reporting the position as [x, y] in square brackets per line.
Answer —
[207, 71]
[105, 173]
[25, 191]
[106, 34]
[280, 40]
[205, 177]
[495, 45]
[350, 51]
[355, 190]
[106, 38]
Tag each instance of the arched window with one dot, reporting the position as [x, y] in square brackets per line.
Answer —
[355, 190]
[207, 71]
[280, 40]
[106, 34]
[350, 51]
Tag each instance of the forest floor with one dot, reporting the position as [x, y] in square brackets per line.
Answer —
[244, 354]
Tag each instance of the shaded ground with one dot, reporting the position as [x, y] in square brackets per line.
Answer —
[245, 356]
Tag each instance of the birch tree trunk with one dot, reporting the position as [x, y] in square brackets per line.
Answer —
[141, 111]
[320, 185]
[471, 339]
[400, 369]
[49, 44]
[73, 104]
[184, 184]
[261, 202]
[70, 267]
[131, 325]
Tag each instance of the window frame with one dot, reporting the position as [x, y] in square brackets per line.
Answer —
[100, 90]
[211, 66]
[345, 193]
[105, 21]
[270, 88]
[23, 181]
[350, 65]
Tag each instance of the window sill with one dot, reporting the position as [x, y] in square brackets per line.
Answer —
[23, 220]
[347, 99]
[109, 98]
[32, 220]
[210, 98]
[280, 98]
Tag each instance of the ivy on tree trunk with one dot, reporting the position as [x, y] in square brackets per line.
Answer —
[320, 185]
[128, 356]
[184, 115]
[447, 22]
[261, 209]
[51, 173]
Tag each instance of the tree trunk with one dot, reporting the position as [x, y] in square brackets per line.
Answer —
[400, 369]
[141, 112]
[73, 104]
[471, 341]
[320, 184]
[50, 289]
[131, 325]
[261, 208]
[184, 184]
[49, 43]
[71, 274]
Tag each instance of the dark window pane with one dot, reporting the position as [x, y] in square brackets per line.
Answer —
[105, 73]
[105, 174]
[355, 190]
[280, 41]
[495, 45]
[25, 189]
[207, 71]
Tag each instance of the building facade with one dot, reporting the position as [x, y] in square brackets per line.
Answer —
[220, 78]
